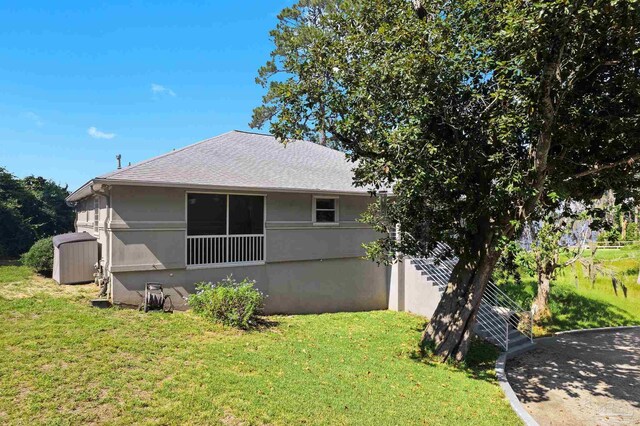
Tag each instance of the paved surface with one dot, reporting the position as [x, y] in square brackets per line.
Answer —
[581, 379]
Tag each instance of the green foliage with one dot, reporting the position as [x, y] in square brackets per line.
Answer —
[611, 235]
[30, 209]
[633, 232]
[577, 302]
[474, 111]
[40, 256]
[237, 304]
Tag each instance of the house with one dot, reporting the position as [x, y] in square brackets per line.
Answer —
[240, 204]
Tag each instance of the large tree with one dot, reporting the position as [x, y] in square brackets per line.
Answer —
[478, 113]
[30, 209]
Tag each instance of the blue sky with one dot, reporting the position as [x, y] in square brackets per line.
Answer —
[83, 81]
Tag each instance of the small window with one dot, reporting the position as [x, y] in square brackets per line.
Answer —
[96, 213]
[325, 210]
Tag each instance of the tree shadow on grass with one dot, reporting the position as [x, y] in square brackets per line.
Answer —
[479, 363]
[264, 323]
[571, 311]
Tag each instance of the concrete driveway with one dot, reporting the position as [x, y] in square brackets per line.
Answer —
[590, 378]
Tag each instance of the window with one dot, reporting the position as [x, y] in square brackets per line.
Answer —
[223, 229]
[325, 210]
[96, 213]
[246, 214]
[207, 214]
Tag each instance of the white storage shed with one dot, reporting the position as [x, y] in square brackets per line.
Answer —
[74, 257]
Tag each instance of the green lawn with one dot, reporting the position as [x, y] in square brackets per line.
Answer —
[64, 362]
[581, 305]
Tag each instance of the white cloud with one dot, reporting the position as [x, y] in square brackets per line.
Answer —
[158, 89]
[35, 118]
[97, 134]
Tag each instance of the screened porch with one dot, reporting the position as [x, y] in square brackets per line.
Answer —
[225, 229]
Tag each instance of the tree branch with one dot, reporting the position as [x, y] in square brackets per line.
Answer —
[599, 168]
[419, 8]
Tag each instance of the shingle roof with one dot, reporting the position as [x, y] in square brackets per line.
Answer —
[246, 160]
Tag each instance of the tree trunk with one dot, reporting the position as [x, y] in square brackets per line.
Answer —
[450, 329]
[540, 306]
[638, 277]
[623, 227]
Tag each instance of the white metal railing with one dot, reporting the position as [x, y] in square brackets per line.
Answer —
[204, 250]
[498, 314]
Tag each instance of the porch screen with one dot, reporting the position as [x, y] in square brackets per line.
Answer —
[246, 214]
[207, 214]
[224, 229]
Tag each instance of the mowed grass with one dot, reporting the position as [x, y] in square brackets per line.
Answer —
[579, 304]
[64, 362]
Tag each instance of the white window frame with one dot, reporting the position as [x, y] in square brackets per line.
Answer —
[96, 214]
[229, 264]
[336, 208]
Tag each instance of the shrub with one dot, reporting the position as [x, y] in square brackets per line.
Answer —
[237, 304]
[610, 236]
[40, 256]
[633, 232]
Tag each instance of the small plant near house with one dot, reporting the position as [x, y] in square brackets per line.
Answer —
[237, 304]
[40, 257]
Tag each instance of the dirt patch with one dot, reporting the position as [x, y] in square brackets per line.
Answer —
[584, 378]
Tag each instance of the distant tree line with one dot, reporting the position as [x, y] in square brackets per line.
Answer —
[30, 209]
[623, 218]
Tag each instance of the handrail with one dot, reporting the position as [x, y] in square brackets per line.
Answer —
[438, 270]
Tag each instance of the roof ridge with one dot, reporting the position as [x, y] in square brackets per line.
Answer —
[175, 151]
[292, 140]
[252, 133]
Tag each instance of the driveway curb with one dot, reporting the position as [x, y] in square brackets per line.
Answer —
[594, 330]
[501, 365]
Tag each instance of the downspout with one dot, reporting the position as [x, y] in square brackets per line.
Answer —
[105, 191]
[110, 243]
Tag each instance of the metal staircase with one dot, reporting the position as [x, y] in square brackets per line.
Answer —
[500, 319]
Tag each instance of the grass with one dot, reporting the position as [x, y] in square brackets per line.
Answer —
[578, 304]
[64, 362]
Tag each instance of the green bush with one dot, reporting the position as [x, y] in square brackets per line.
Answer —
[40, 256]
[610, 236]
[237, 304]
[633, 232]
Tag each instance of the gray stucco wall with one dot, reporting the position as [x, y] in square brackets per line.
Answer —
[308, 268]
[412, 291]
[85, 221]
[292, 287]
[149, 229]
